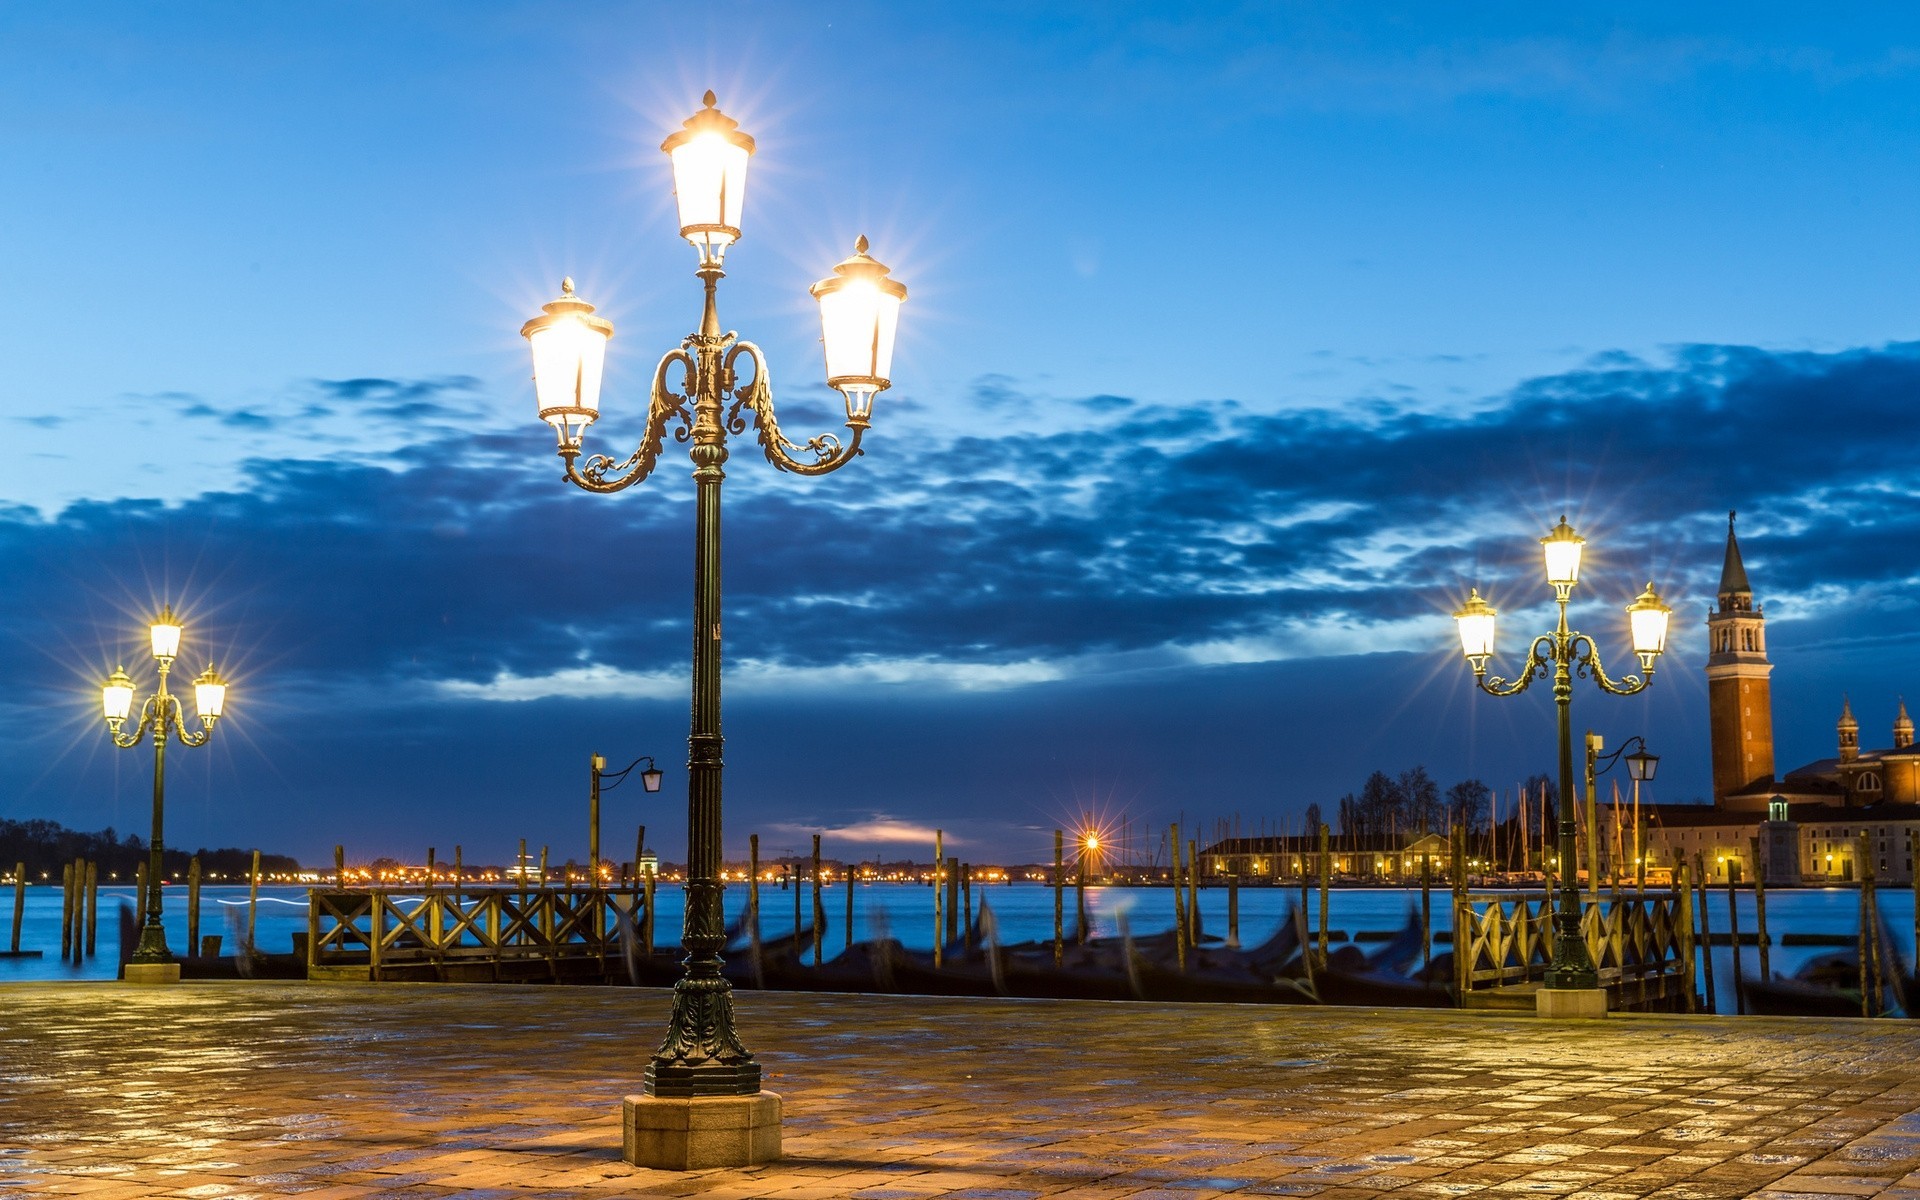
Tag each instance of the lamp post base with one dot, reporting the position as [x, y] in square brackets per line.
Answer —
[152, 972]
[694, 1133]
[1562, 1004]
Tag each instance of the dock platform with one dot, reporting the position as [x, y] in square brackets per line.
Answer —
[332, 1091]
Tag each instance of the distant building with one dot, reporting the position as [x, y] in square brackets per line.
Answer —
[1374, 856]
[1807, 825]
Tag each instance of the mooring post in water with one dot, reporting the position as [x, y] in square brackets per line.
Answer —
[793, 869]
[79, 909]
[1193, 893]
[432, 854]
[753, 884]
[1706, 931]
[93, 905]
[340, 865]
[819, 910]
[1733, 933]
[1326, 882]
[1059, 922]
[140, 877]
[940, 895]
[646, 921]
[966, 905]
[1179, 897]
[1426, 914]
[1080, 897]
[253, 897]
[1865, 946]
[848, 944]
[459, 873]
[66, 911]
[1760, 909]
[19, 902]
[1233, 910]
[1913, 851]
[193, 905]
[1683, 921]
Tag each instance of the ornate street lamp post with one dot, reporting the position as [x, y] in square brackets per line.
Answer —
[1565, 653]
[702, 1059]
[161, 715]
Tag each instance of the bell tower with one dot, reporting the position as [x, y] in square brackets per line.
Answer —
[1739, 698]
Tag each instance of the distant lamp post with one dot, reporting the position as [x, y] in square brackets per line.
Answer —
[1563, 654]
[1640, 767]
[649, 780]
[161, 716]
[702, 1057]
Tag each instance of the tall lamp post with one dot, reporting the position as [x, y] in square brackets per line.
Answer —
[702, 1060]
[161, 715]
[1563, 654]
[1640, 766]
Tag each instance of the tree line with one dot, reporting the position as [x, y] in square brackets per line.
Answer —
[47, 846]
[1412, 803]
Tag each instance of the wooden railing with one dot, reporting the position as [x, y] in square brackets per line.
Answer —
[495, 933]
[1642, 944]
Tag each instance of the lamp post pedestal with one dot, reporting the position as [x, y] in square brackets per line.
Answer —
[1558, 1004]
[151, 972]
[680, 1133]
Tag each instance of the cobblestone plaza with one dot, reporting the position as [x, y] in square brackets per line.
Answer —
[330, 1091]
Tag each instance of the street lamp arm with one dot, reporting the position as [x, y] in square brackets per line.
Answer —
[601, 474]
[1534, 668]
[127, 741]
[757, 397]
[1586, 659]
[1605, 763]
[188, 737]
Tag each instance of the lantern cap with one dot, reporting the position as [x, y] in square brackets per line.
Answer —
[860, 265]
[1475, 606]
[568, 305]
[708, 120]
[1649, 601]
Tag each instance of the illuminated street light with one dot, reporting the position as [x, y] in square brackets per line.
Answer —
[161, 715]
[1562, 653]
[702, 1055]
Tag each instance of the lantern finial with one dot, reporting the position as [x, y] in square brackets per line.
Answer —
[709, 99]
[860, 244]
[566, 286]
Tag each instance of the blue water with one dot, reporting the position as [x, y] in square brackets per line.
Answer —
[1023, 911]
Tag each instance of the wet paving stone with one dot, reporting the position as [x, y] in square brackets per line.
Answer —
[330, 1092]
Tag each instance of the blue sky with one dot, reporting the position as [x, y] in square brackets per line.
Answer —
[1239, 345]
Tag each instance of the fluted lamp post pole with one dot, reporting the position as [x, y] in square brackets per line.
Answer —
[161, 716]
[702, 1104]
[1572, 983]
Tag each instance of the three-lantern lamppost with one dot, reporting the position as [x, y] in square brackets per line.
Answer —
[160, 715]
[1563, 654]
[723, 385]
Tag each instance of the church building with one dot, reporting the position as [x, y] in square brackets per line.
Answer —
[1806, 827]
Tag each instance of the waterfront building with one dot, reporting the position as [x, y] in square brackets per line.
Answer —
[1807, 825]
[1370, 856]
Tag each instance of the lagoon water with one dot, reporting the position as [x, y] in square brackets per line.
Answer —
[1024, 912]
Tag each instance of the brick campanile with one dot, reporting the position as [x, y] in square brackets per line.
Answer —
[1739, 698]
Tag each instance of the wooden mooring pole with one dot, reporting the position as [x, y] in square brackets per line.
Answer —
[1059, 930]
[66, 911]
[1326, 882]
[19, 903]
[1706, 931]
[1193, 893]
[819, 910]
[193, 905]
[966, 905]
[1733, 933]
[1683, 906]
[753, 884]
[1179, 898]
[340, 866]
[1233, 910]
[940, 895]
[253, 895]
[848, 943]
[93, 905]
[1080, 897]
[1760, 910]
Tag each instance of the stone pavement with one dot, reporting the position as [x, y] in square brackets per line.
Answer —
[333, 1091]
